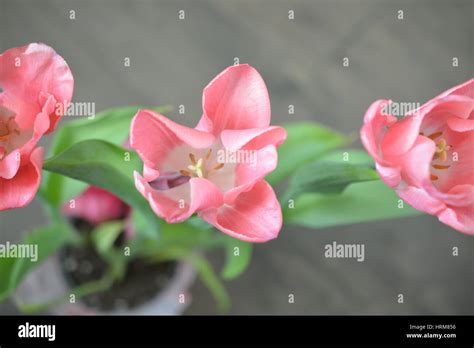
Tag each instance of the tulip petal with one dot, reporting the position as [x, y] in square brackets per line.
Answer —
[40, 127]
[254, 138]
[21, 189]
[460, 218]
[96, 205]
[462, 163]
[155, 137]
[401, 136]
[460, 125]
[420, 200]
[416, 162]
[179, 203]
[235, 99]
[464, 89]
[29, 75]
[374, 128]
[458, 196]
[10, 164]
[255, 215]
[438, 112]
[248, 174]
[391, 176]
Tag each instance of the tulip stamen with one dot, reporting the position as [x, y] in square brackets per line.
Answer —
[200, 168]
[435, 135]
[218, 166]
[185, 173]
[8, 128]
[192, 158]
[208, 154]
[441, 153]
[440, 166]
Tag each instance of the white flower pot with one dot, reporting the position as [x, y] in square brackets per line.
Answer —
[46, 283]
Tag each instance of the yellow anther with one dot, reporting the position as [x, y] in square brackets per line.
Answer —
[192, 158]
[218, 166]
[8, 127]
[435, 135]
[200, 168]
[440, 166]
[441, 153]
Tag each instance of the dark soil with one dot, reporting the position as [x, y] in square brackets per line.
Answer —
[142, 280]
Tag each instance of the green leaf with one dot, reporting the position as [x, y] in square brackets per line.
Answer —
[112, 125]
[13, 270]
[141, 226]
[105, 235]
[351, 156]
[107, 166]
[117, 261]
[185, 235]
[238, 256]
[199, 223]
[327, 177]
[360, 202]
[306, 142]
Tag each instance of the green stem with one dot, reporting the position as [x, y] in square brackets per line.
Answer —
[206, 273]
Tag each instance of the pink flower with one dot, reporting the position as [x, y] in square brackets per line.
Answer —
[96, 205]
[188, 170]
[427, 157]
[34, 80]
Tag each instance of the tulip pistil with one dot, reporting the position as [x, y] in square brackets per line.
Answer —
[199, 168]
[442, 149]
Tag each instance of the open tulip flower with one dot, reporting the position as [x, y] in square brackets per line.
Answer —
[34, 79]
[217, 168]
[427, 157]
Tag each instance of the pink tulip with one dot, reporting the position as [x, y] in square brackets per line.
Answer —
[34, 79]
[427, 157]
[96, 205]
[184, 169]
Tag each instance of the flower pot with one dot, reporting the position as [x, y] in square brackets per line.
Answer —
[48, 282]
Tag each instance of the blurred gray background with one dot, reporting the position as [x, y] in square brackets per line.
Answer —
[301, 62]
